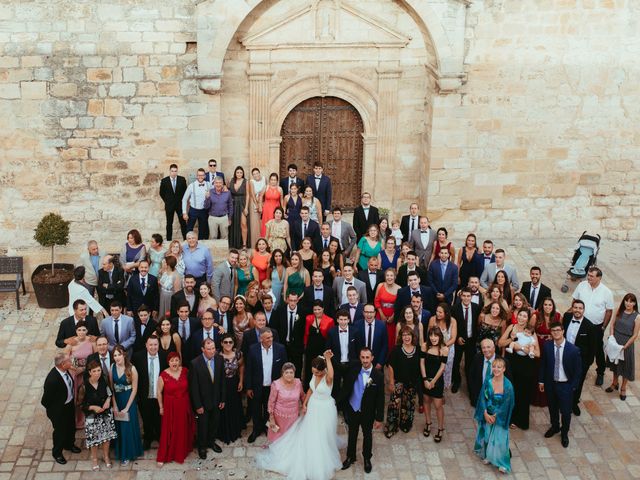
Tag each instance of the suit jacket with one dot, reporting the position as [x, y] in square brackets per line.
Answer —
[586, 339]
[204, 392]
[475, 376]
[55, 393]
[543, 292]
[323, 193]
[253, 376]
[379, 344]
[360, 223]
[139, 360]
[327, 299]
[312, 231]
[423, 251]
[372, 406]
[347, 236]
[126, 332]
[405, 224]
[194, 325]
[194, 344]
[457, 312]
[173, 200]
[404, 298]
[207, 177]
[359, 315]
[114, 289]
[90, 275]
[571, 363]
[446, 285]
[403, 279]
[250, 337]
[280, 323]
[363, 275]
[338, 283]
[135, 297]
[489, 273]
[67, 329]
[221, 283]
[96, 356]
[481, 265]
[320, 243]
[141, 338]
[333, 344]
[284, 184]
[178, 298]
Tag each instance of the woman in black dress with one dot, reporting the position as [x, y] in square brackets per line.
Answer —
[239, 231]
[432, 365]
[169, 339]
[231, 416]
[470, 262]
[337, 258]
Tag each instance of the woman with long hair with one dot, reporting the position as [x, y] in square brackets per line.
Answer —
[323, 262]
[388, 257]
[241, 319]
[132, 252]
[384, 301]
[315, 208]
[625, 327]
[277, 272]
[433, 363]
[245, 273]
[206, 300]
[308, 256]
[239, 228]
[277, 233]
[491, 323]
[175, 249]
[170, 282]
[518, 303]
[257, 187]
[252, 298]
[502, 281]
[494, 294]
[368, 246]
[296, 276]
[231, 417]
[470, 262]
[78, 352]
[407, 318]
[271, 198]
[168, 338]
[442, 242]
[337, 258]
[449, 328]
[292, 205]
[260, 258]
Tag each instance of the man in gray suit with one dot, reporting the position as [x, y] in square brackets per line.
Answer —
[340, 285]
[421, 241]
[491, 269]
[91, 260]
[342, 231]
[118, 328]
[223, 276]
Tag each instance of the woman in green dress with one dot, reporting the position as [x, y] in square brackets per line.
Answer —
[368, 246]
[296, 276]
[245, 273]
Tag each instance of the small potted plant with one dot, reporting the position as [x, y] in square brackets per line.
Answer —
[50, 280]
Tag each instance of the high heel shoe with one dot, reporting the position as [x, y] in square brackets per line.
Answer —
[611, 388]
[623, 395]
[438, 436]
[427, 430]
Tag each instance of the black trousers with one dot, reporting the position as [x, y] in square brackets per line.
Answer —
[170, 212]
[150, 413]
[294, 356]
[601, 365]
[259, 413]
[469, 351]
[356, 421]
[578, 391]
[560, 400]
[340, 371]
[207, 425]
[202, 217]
[64, 428]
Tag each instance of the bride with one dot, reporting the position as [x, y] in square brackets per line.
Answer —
[309, 450]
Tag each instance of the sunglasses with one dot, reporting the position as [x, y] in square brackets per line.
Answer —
[228, 342]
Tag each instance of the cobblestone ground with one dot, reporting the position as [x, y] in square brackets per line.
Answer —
[604, 439]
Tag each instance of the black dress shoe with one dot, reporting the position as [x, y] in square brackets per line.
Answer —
[551, 432]
[367, 466]
[455, 388]
[348, 462]
[60, 459]
[202, 454]
[599, 380]
[565, 441]
[216, 448]
[252, 437]
[74, 449]
[146, 445]
[576, 410]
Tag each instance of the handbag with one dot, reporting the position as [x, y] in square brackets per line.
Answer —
[121, 416]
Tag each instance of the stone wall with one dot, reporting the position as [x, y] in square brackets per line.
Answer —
[99, 98]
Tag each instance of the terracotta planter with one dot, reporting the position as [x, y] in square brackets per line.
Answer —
[52, 295]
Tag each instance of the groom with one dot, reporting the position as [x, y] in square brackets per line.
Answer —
[363, 400]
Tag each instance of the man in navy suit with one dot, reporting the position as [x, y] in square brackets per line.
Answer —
[321, 186]
[142, 290]
[372, 334]
[252, 336]
[342, 340]
[443, 278]
[194, 345]
[319, 291]
[354, 309]
[213, 172]
[487, 255]
[405, 293]
[186, 326]
[305, 228]
[560, 374]
[371, 277]
[264, 365]
[286, 182]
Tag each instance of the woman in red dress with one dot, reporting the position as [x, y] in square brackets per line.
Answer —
[178, 427]
[541, 321]
[272, 198]
[384, 301]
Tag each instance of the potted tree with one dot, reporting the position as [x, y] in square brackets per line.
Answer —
[50, 280]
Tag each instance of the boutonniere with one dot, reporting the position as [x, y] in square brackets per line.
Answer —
[297, 317]
[369, 382]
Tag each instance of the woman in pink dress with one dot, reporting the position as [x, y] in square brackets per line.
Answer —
[284, 402]
[272, 198]
[79, 351]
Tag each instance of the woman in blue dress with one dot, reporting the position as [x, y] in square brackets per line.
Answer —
[293, 204]
[389, 256]
[124, 380]
[493, 414]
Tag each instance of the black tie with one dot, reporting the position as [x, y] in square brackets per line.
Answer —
[533, 296]
[369, 336]
[413, 225]
[304, 229]
[222, 321]
[183, 330]
[326, 243]
[231, 274]
[116, 332]
[290, 325]
[143, 283]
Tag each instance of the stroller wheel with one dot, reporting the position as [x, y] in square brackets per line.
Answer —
[564, 288]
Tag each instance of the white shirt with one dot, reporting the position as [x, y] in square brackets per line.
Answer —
[336, 231]
[156, 373]
[413, 222]
[191, 298]
[267, 364]
[484, 365]
[343, 336]
[596, 301]
[290, 332]
[317, 181]
[562, 377]
[366, 374]
[572, 330]
[66, 382]
[373, 277]
[107, 362]
[195, 194]
[344, 289]
[186, 325]
[424, 238]
[469, 319]
[475, 298]
[204, 334]
[533, 294]
[80, 292]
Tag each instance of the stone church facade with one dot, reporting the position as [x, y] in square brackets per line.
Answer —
[510, 118]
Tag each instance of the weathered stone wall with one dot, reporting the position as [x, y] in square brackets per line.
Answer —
[99, 98]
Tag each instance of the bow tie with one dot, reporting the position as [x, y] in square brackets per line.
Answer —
[201, 184]
[318, 178]
[372, 273]
[344, 331]
[423, 231]
[488, 257]
[353, 306]
[318, 289]
[348, 283]
[575, 321]
[364, 370]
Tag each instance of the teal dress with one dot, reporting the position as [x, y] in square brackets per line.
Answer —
[492, 441]
[295, 284]
[243, 281]
[366, 252]
[129, 442]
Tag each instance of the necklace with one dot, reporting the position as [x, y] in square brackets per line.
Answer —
[407, 354]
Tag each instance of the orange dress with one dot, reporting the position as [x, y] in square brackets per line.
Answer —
[272, 200]
[261, 262]
[386, 302]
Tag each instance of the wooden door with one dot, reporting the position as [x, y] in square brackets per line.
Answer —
[328, 130]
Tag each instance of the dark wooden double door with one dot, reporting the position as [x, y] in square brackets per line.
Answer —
[326, 130]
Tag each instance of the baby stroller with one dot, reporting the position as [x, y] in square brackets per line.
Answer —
[584, 256]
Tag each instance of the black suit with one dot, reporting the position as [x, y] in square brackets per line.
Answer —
[312, 231]
[320, 244]
[371, 409]
[114, 289]
[67, 329]
[251, 337]
[327, 299]
[294, 347]
[543, 292]
[469, 347]
[194, 326]
[178, 298]
[341, 369]
[149, 409]
[141, 338]
[587, 341]
[173, 203]
[135, 297]
[364, 276]
[194, 345]
[207, 394]
[323, 193]
[475, 376]
[360, 223]
[403, 279]
[405, 225]
[284, 184]
[404, 298]
[61, 414]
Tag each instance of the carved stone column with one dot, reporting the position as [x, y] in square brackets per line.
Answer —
[386, 161]
[259, 87]
[274, 157]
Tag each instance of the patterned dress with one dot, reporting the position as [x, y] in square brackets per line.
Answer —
[231, 416]
[278, 235]
[98, 427]
[284, 405]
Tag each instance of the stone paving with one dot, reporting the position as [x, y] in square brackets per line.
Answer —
[605, 439]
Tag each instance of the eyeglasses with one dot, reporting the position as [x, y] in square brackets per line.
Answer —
[227, 342]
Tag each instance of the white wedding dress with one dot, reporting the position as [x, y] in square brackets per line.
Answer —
[309, 450]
